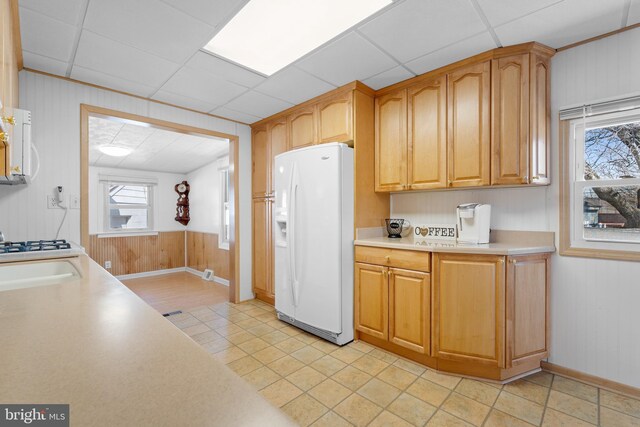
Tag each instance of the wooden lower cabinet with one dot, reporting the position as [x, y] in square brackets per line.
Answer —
[262, 250]
[372, 299]
[410, 309]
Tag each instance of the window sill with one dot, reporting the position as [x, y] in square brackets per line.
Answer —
[126, 234]
[223, 246]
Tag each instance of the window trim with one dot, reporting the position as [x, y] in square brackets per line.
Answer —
[222, 242]
[106, 226]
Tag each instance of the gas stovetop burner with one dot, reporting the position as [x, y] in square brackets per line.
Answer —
[33, 245]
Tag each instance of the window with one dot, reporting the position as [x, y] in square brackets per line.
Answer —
[604, 182]
[128, 207]
[225, 212]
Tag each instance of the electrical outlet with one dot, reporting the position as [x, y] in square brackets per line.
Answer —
[74, 202]
[107, 264]
[52, 203]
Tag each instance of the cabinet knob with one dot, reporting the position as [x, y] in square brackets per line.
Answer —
[535, 178]
[387, 258]
[512, 261]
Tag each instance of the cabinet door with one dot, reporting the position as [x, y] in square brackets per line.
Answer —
[510, 120]
[540, 119]
[427, 135]
[527, 305]
[469, 122]
[302, 128]
[372, 300]
[335, 119]
[469, 308]
[410, 309]
[391, 141]
[262, 247]
[277, 144]
[260, 159]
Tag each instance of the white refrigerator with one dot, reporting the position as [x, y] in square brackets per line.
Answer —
[313, 239]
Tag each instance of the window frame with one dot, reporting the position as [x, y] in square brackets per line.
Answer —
[224, 207]
[149, 207]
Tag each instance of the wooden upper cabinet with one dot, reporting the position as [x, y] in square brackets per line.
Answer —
[335, 118]
[427, 135]
[469, 136]
[510, 120]
[391, 142]
[277, 132]
[540, 93]
[262, 273]
[372, 300]
[302, 128]
[410, 309]
[260, 158]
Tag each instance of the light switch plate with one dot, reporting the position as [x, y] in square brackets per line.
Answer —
[74, 202]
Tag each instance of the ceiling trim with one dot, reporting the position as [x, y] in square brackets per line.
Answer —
[69, 79]
[17, 39]
[601, 36]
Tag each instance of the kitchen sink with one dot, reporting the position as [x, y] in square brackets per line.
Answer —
[34, 274]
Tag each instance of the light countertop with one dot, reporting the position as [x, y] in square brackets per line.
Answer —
[502, 243]
[95, 345]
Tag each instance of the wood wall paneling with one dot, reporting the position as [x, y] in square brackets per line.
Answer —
[203, 253]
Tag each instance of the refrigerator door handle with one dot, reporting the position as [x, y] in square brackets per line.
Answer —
[291, 233]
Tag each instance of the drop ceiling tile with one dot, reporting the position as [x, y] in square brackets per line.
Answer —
[634, 12]
[235, 115]
[564, 23]
[211, 12]
[257, 104]
[293, 85]
[42, 63]
[183, 101]
[348, 58]
[221, 68]
[500, 12]
[97, 78]
[417, 27]
[116, 59]
[69, 11]
[46, 36]
[453, 53]
[198, 84]
[389, 77]
[149, 25]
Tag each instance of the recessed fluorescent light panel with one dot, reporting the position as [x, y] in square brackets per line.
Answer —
[268, 35]
[115, 151]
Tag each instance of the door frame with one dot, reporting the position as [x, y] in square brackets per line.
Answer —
[234, 142]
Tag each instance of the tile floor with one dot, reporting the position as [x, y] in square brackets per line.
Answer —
[320, 384]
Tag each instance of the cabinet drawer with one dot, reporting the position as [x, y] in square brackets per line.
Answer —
[399, 258]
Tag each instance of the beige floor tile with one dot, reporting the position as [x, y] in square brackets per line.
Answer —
[266, 317]
[286, 365]
[351, 377]
[541, 378]
[245, 306]
[228, 355]
[206, 337]
[186, 322]
[575, 388]
[383, 355]
[290, 345]
[254, 312]
[379, 392]
[228, 329]
[357, 410]
[553, 418]
[260, 330]
[277, 324]
[477, 390]
[262, 377]
[519, 407]
[290, 330]
[362, 346]
[429, 392]
[274, 337]
[217, 345]
[328, 365]
[307, 338]
[206, 316]
[249, 323]
[304, 409]
[196, 329]
[442, 419]
[269, 354]
[307, 355]
[500, 419]
[448, 381]
[573, 406]
[238, 317]
[412, 409]
[370, 364]
[325, 346]
[611, 418]
[620, 403]
[528, 390]
[217, 323]
[331, 419]
[329, 392]
[412, 367]
[281, 392]
[387, 419]
[306, 378]
[253, 346]
[397, 377]
[466, 409]
[240, 337]
[347, 354]
[244, 365]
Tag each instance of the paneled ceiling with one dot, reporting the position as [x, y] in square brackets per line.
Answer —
[153, 48]
[153, 149]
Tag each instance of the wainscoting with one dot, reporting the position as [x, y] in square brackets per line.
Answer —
[139, 254]
[203, 252]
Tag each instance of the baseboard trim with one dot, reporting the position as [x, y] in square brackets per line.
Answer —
[198, 273]
[150, 273]
[603, 383]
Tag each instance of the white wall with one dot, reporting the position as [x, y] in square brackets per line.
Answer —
[595, 304]
[55, 107]
[204, 197]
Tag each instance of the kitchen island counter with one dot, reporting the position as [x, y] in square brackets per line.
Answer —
[93, 344]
